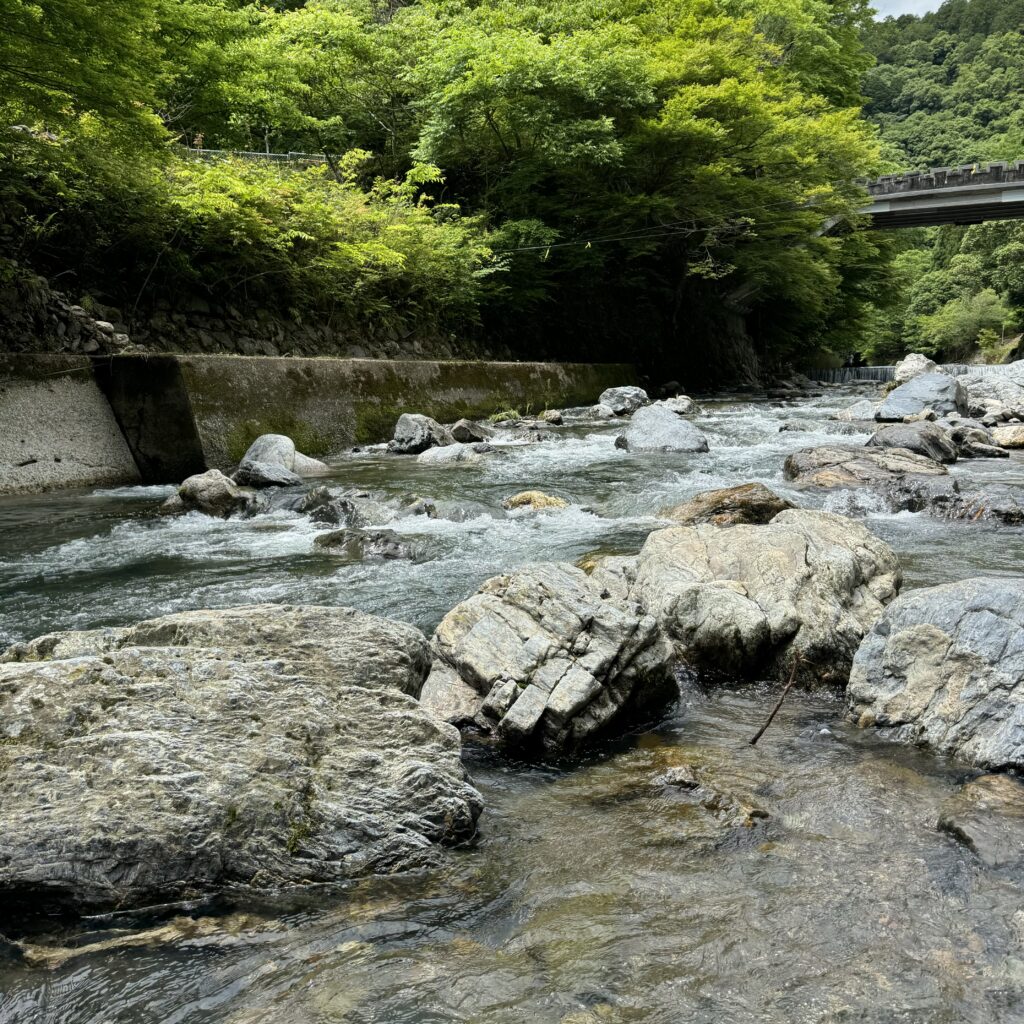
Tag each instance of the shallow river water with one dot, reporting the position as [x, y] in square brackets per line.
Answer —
[592, 894]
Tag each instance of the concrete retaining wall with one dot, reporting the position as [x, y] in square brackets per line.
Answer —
[56, 428]
[180, 414]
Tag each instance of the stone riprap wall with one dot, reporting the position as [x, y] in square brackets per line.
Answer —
[70, 421]
[56, 427]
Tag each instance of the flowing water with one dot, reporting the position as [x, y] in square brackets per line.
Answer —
[594, 893]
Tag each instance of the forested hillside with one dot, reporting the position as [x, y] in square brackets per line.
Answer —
[948, 89]
[594, 178]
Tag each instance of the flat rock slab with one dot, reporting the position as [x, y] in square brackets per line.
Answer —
[944, 668]
[259, 748]
[937, 391]
[987, 816]
[831, 466]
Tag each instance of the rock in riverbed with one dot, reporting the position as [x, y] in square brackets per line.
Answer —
[847, 466]
[537, 501]
[255, 747]
[415, 433]
[358, 545]
[623, 401]
[1010, 436]
[749, 503]
[912, 366]
[938, 391]
[656, 428]
[944, 668]
[920, 438]
[799, 592]
[279, 450]
[551, 659]
[214, 494]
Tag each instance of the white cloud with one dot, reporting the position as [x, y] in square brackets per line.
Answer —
[886, 7]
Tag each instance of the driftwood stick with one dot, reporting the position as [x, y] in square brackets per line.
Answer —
[775, 710]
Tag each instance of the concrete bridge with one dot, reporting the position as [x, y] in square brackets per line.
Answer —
[947, 195]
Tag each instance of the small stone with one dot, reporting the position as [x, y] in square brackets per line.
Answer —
[536, 500]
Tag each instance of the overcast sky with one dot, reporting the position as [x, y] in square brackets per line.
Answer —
[885, 7]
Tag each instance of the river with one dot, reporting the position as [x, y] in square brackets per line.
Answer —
[591, 895]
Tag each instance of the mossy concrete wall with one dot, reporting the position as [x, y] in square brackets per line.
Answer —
[183, 413]
[56, 428]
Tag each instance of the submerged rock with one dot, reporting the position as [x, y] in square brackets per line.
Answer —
[623, 401]
[728, 809]
[944, 668]
[553, 661]
[536, 500]
[214, 494]
[455, 453]
[937, 391]
[364, 545]
[657, 429]
[747, 503]
[415, 433]
[987, 816]
[799, 592]
[258, 747]
[921, 438]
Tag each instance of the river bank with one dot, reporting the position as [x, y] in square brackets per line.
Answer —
[594, 892]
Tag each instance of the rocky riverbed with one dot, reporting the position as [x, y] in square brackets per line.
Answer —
[668, 870]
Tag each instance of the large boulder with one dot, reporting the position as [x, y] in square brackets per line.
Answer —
[944, 668]
[996, 391]
[795, 595]
[912, 366]
[751, 504]
[259, 747]
[623, 401]
[656, 428]
[937, 391]
[552, 660]
[469, 432]
[921, 438]
[415, 433]
[279, 450]
[681, 405]
[214, 494]
[265, 474]
[831, 466]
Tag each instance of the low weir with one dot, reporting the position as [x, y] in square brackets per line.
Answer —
[847, 374]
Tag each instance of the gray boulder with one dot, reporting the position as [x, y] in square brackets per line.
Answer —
[265, 474]
[623, 401]
[796, 594]
[279, 450]
[944, 668]
[748, 503]
[214, 494]
[681, 405]
[468, 432]
[938, 391]
[912, 366]
[415, 433]
[551, 659]
[996, 391]
[658, 429]
[1009, 436]
[921, 438]
[253, 748]
[975, 442]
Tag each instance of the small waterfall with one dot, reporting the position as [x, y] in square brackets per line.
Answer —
[883, 374]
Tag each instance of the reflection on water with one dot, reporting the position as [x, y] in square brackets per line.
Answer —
[594, 894]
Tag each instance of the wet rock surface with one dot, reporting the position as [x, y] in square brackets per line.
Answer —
[555, 661]
[360, 545]
[655, 428]
[415, 433]
[850, 466]
[936, 391]
[795, 595]
[258, 747]
[920, 438]
[944, 668]
[987, 816]
[214, 494]
[751, 504]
